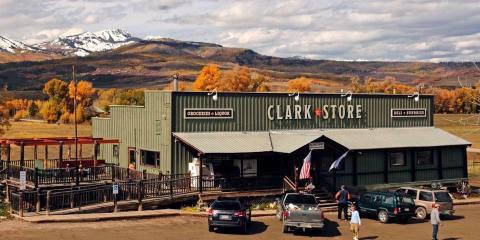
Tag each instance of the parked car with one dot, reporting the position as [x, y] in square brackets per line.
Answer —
[229, 213]
[424, 198]
[387, 205]
[298, 210]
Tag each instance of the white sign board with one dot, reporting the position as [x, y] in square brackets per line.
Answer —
[23, 180]
[115, 188]
[316, 146]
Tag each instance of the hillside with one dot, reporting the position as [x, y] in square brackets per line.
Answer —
[150, 63]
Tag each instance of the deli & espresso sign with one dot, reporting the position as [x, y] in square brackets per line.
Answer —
[208, 113]
[408, 112]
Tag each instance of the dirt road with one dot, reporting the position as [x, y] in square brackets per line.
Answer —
[462, 226]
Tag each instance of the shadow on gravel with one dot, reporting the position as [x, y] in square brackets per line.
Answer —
[454, 238]
[368, 238]
[329, 230]
[254, 228]
[452, 218]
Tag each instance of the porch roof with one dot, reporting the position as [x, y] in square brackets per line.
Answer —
[291, 140]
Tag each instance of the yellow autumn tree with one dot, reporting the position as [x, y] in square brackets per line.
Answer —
[241, 79]
[208, 79]
[4, 124]
[301, 84]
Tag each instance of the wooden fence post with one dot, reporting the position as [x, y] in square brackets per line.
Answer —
[20, 204]
[36, 178]
[7, 191]
[105, 192]
[144, 174]
[113, 172]
[72, 201]
[171, 187]
[47, 207]
[139, 195]
[8, 149]
[37, 201]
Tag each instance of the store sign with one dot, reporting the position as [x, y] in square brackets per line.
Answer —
[316, 146]
[408, 112]
[23, 180]
[279, 112]
[208, 113]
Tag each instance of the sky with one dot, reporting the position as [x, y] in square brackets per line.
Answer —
[384, 30]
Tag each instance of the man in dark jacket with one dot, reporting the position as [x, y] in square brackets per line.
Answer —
[342, 197]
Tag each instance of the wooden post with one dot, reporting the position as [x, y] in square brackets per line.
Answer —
[139, 195]
[170, 183]
[72, 200]
[115, 204]
[144, 174]
[113, 172]
[8, 161]
[36, 178]
[45, 158]
[20, 204]
[37, 201]
[465, 162]
[104, 192]
[80, 150]
[60, 153]
[200, 177]
[22, 155]
[7, 191]
[47, 205]
[35, 152]
[95, 152]
[295, 174]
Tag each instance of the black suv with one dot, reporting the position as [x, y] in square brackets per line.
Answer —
[228, 213]
[386, 205]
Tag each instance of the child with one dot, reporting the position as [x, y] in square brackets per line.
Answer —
[355, 222]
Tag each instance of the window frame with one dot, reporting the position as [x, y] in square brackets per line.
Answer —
[115, 150]
[396, 152]
[430, 163]
[143, 158]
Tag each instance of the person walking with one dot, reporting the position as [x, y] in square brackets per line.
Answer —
[435, 220]
[342, 197]
[355, 222]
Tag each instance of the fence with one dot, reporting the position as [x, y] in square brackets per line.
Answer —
[77, 197]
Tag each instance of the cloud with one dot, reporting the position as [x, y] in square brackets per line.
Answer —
[426, 30]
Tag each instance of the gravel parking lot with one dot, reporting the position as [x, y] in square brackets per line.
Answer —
[462, 226]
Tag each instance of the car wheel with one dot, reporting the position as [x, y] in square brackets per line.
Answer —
[285, 229]
[211, 228]
[383, 216]
[420, 213]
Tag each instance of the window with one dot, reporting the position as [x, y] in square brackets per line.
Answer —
[425, 196]
[397, 159]
[115, 150]
[388, 200]
[150, 158]
[366, 198]
[412, 193]
[442, 197]
[425, 157]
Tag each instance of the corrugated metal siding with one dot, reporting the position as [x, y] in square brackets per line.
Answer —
[250, 111]
[452, 162]
[137, 127]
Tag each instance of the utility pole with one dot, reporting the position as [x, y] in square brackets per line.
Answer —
[77, 180]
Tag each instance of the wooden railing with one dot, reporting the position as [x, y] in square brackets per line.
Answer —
[288, 184]
[140, 190]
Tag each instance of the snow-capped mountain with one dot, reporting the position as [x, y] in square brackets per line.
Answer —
[85, 43]
[12, 46]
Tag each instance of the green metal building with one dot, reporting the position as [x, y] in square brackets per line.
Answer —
[386, 138]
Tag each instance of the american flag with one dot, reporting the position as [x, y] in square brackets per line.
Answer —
[305, 171]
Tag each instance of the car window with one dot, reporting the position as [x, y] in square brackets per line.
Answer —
[226, 205]
[388, 200]
[412, 193]
[425, 196]
[378, 198]
[405, 199]
[300, 199]
[442, 197]
[366, 198]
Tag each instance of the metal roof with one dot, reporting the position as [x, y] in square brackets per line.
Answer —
[289, 141]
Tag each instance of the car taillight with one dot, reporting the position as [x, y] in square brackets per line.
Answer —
[395, 211]
[239, 214]
[210, 212]
[285, 214]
